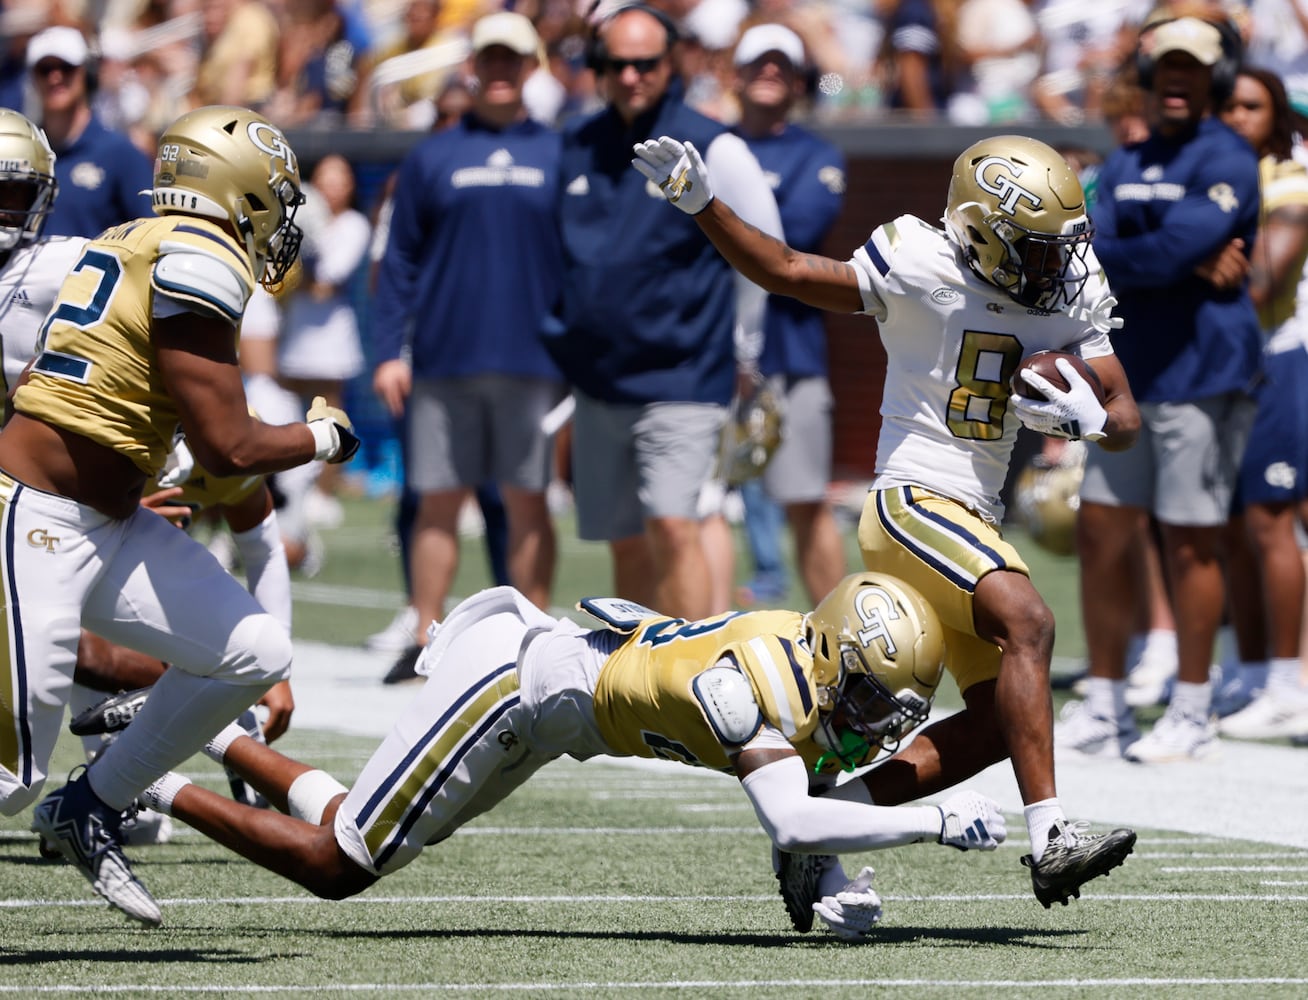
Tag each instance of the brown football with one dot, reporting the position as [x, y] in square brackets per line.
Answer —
[1043, 364]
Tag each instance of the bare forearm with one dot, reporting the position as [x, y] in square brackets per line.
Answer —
[771, 264]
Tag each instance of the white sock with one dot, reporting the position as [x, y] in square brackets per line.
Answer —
[181, 714]
[1283, 677]
[310, 794]
[159, 796]
[1040, 819]
[216, 748]
[1106, 697]
[1159, 642]
[1194, 701]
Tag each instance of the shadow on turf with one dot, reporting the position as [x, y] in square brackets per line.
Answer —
[1026, 937]
[129, 956]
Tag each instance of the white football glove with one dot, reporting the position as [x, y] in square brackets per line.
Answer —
[178, 466]
[678, 170]
[971, 822]
[1073, 414]
[854, 910]
[1100, 317]
[333, 434]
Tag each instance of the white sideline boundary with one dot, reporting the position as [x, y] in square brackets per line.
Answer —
[1250, 791]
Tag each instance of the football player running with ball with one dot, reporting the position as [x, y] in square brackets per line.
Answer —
[141, 342]
[1010, 274]
[782, 700]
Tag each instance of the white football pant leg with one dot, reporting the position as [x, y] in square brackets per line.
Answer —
[454, 753]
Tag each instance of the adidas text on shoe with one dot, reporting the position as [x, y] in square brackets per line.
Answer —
[86, 833]
[1072, 858]
[799, 877]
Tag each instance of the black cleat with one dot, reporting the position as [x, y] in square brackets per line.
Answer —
[799, 876]
[405, 668]
[1073, 858]
[109, 716]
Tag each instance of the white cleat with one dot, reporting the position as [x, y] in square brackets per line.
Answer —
[1175, 737]
[1272, 715]
[1081, 731]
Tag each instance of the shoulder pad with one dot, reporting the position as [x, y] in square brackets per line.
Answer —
[728, 702]
[617, 614]
[201, 280]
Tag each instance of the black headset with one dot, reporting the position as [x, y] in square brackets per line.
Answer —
[597, 52]
[1224, 71]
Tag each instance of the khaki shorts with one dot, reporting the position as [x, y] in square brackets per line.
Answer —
[801, 467]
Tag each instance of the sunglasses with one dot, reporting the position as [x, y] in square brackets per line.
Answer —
[641, 66]
[48, 66]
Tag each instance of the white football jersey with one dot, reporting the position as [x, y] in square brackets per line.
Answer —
[952, 342]
[29, 283]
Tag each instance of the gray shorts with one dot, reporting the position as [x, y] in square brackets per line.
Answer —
[633, 462]
[1184, 466]
[801, 466]
[463, 432]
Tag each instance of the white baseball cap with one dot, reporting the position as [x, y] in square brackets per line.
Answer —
[764, 38]
[1190, 35]
[65, 44]
[513, 31]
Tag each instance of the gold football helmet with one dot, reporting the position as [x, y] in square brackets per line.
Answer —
[26, 179]
[1046, 497]
[231, 164]
[878, 654]
[1018, 213]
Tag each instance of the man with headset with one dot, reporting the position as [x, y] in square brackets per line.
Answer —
[1176, 216]
[644, 327]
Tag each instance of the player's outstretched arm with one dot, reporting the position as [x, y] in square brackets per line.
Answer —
[679, 171]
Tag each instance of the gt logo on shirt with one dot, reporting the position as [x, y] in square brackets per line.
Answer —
[39, 539]
[1002, 185]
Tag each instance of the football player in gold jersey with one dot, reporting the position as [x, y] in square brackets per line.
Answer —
[142, 341]
[784, 701]
[1011, 273]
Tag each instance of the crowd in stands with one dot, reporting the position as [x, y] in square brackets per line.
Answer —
[387, 63]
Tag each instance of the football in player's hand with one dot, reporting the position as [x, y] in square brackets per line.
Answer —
[1043, 363]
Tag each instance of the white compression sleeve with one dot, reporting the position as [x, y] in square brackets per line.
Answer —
[267, 575]
[803, 824]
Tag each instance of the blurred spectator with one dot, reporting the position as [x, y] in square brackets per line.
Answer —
[403, 93]
[644, 327]
[1174, 218]
[1265, 698]
[807, 176]
[1083, 46]
[999, 41]
[471, 266]
[320, 349]
[103, 178]
[1278, 42]
[317, 65]
[923, 56]
[238, 54]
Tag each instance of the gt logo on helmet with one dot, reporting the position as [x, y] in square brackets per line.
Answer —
[1003, 186]
[874, 606]
[271, 141]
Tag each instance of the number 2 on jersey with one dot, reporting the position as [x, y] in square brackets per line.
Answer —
[111, 272]
[980, 399]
